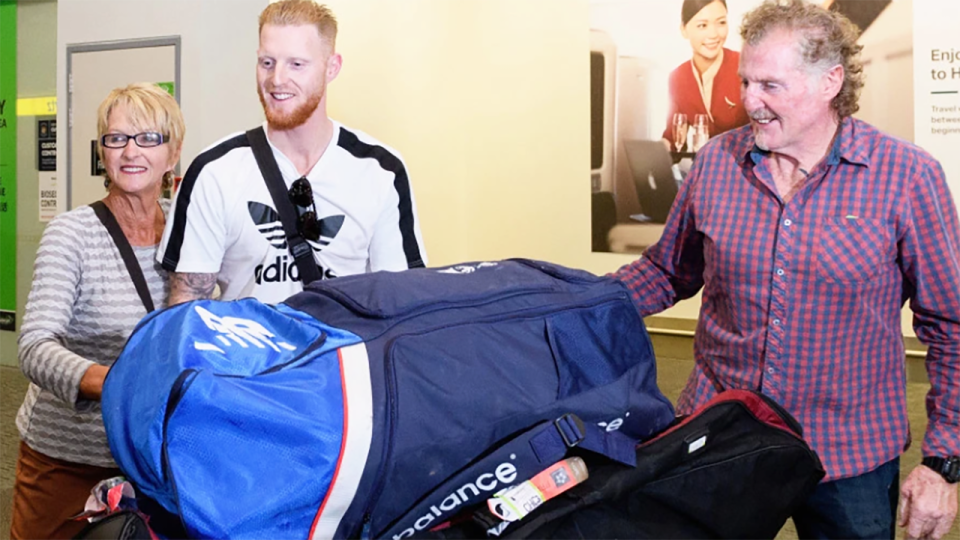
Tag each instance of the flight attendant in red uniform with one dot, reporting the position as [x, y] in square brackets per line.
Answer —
[708, 83]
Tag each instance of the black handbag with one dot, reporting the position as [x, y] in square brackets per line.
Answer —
[120, 525]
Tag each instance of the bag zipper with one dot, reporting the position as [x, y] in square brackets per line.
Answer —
[180, 386]
[177, 391]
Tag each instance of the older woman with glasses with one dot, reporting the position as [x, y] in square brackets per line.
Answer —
[94, 278]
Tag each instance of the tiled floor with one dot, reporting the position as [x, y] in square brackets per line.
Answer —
[13, 385]
[674, 364]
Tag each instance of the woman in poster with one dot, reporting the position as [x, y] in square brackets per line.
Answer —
[708, 83]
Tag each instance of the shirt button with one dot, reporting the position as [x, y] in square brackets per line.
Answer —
[770, 370]
[779, 271]
[776, 322]
[787, 223]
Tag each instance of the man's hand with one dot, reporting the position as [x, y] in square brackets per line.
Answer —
[928, 504]
[186, 287]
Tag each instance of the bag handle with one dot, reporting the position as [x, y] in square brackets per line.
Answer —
[126, 252]
[299, 248]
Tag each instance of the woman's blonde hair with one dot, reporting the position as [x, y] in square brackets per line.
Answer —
[149, 107]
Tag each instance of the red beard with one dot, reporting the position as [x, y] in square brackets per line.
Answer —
[296, 118]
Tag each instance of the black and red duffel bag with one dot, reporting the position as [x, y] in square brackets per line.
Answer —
[737, 468]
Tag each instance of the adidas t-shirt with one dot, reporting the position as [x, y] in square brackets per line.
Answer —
[224, 221]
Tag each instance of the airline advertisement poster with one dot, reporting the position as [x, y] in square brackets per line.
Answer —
[655, 66]
[936, 78]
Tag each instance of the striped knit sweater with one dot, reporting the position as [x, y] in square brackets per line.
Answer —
[81, 309]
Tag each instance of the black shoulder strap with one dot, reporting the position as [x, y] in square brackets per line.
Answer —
[299, 248]
[129, 259]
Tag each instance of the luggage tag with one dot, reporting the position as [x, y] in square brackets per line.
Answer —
[515, 503]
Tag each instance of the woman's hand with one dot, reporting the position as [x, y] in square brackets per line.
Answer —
[91, 385]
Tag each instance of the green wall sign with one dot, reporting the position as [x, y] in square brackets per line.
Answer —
[168, 87]
[8, 164]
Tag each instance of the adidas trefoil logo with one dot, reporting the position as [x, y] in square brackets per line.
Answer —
[283, 268]
[267, 221]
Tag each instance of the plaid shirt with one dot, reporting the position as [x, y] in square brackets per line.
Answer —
[802, 300]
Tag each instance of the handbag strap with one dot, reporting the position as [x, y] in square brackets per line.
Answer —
[126, 252]
[299, 248]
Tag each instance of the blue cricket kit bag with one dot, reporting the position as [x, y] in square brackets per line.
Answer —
[378, 405]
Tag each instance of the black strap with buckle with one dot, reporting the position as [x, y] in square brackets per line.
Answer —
[298, 246]
[948, 467]
[571, 429]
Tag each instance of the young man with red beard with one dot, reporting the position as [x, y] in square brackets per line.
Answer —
[225, 228]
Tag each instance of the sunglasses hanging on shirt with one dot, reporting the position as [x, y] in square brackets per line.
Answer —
[301, 195]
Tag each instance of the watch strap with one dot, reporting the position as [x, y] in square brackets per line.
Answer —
[947, 467]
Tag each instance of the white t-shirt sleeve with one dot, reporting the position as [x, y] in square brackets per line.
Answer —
[203, 232]
[386, 246]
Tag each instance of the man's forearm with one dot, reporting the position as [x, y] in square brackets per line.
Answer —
[185, 287]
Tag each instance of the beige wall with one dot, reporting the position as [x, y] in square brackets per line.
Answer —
[488, 102]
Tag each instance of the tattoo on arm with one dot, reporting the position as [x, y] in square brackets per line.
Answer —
[185, 287]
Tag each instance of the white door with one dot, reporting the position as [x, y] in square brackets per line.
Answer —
[93, 70]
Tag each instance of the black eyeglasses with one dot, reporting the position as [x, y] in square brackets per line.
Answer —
[147, 139]
[301, 195]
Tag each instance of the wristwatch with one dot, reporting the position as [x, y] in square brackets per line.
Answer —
[948, 467]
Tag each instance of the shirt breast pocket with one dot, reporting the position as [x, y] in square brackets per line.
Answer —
[851, 250]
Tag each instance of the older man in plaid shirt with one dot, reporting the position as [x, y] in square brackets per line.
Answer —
[807, 231]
